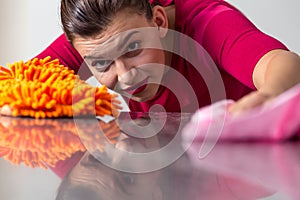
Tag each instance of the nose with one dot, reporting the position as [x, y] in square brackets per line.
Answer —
[126, 71]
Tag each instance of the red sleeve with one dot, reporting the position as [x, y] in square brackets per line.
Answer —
[233, 42]
[67, 54]
[63, 167]
[236, 44]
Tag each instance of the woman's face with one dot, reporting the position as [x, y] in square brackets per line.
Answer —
[112, 184]
[127, 56]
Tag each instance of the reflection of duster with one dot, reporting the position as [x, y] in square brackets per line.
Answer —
[42, 88]
[44, 142]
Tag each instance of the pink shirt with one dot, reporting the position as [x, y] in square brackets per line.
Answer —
[232, 41]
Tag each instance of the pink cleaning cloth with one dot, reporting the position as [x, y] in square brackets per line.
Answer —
[276, 121]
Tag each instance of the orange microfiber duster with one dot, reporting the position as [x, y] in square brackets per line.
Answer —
[43, 88]
[44, 142]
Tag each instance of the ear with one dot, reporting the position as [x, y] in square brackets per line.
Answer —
[160, 20]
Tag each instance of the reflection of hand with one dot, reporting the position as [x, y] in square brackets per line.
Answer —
[249, 101]
[135, 145]
[132, 154]
[140, 125]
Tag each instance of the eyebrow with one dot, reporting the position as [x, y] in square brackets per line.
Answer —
[120, 47]
[91, 57]
[127, 38]
[119, 184]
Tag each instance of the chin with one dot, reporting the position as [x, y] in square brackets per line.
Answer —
[147, 94]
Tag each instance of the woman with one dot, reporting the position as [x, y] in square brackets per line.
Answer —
[253, 67]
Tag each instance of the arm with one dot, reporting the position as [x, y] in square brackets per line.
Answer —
[257, 60]
[276, 72]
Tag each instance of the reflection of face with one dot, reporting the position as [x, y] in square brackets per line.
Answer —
[112, 184]
[123, 63]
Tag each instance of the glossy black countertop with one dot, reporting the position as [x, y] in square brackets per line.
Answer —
[138, 157]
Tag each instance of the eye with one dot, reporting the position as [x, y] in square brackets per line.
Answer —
[133, 49]
[124, 181]
[101, 65]
[128, 178]
[133, 46]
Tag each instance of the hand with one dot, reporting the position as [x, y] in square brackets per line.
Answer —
[250, 101]
[5, 110]
[276, 72]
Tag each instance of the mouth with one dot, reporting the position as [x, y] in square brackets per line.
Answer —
[137, 88]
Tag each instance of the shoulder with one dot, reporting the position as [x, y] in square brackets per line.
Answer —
[194, 15]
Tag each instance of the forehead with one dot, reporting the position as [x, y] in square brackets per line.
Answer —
[123, 21]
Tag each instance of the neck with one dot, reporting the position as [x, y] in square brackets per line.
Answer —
[170, 11]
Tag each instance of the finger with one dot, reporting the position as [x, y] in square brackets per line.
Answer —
[248, 102]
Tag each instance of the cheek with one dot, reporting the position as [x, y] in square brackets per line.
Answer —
[157, 60]
[156, 56]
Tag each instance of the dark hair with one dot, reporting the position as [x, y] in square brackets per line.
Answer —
[172, 178]
[87, 18]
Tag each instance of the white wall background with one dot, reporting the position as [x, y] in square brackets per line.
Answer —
[28, 26]
[278, 18]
